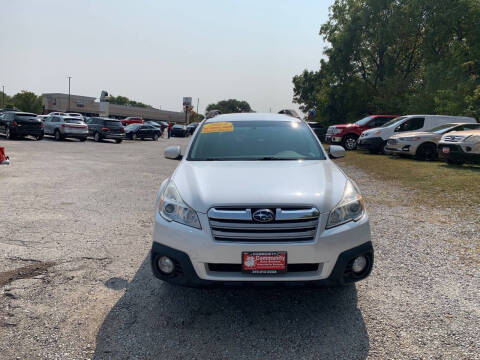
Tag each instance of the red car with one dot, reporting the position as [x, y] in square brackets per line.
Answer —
[347, 134]
[131, 120]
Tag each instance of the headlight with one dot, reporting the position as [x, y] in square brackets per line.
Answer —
[337, 131]
[351, 207]
[172, 208]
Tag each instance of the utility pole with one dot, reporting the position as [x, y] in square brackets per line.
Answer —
[198, 100]
[3, 96]
[68, 107]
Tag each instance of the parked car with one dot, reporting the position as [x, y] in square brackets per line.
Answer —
[240, 208]
[142, 131]
[318, 129]
[423, 145]
[290, 112]
[132, 120]
[4, 160]
[76, 115]
[42, 117]
[459, 147]
[18, 124]
[348, 134]
[179, 130]
[191, 128]
[105, 128]
[62, 127]
[154, 124]
[375, 140]
[57, 113]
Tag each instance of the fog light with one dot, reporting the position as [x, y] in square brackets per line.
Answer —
[165, 264]
[359, 264]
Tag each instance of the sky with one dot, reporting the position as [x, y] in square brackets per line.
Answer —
[158, 51]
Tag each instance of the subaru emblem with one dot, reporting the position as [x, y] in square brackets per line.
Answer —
[263, 215]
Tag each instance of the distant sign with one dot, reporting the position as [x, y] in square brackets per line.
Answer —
[187, 101]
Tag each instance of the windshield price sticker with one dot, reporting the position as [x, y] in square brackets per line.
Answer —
[269, 262]
[217, 127]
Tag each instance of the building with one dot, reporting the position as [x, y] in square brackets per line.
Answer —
[87, 106]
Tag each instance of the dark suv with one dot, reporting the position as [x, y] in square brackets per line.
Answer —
[17, 124]
[105, 128]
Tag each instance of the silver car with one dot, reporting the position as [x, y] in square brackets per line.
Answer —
[256, 199]
[423, 145]
[62, 127]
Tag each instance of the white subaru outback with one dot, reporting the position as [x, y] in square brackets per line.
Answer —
[256, 199]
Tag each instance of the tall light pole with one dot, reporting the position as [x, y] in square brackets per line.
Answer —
[3, 96]
[198, 100]
[68, 107]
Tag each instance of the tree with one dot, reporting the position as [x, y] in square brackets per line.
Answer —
[397, 57]
[230, 106]
[194, 117]
[27, 101]
[5, 100]
[123, 100]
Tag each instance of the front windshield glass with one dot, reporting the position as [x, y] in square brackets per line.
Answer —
[393, 121]
[442, 128]
[255, 140]
[364, 121]
[132, 126]
[113, 123]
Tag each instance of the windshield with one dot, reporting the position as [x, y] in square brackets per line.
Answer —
[133, 126]
[255, 140]
[113, 123]
[442, 128]
[25, 116]
[393, 121]
[364, 121]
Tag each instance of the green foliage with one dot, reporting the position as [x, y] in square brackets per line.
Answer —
[5, 100]
[123, 100]
[395, 57]
[27, 101]
[194, 117]
[230, 106]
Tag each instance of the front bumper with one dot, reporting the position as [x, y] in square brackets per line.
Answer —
[458, 153]
[83, 134]
[374, 143]
[333, 139]
[401, 147]
[194, 251]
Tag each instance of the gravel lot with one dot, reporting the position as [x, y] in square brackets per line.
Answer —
[75, 231]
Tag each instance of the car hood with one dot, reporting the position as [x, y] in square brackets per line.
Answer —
[205, 184]
[343, 126]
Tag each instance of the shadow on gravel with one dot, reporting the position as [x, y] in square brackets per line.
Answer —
[156, 320]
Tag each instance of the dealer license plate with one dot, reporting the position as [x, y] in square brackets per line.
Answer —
[264, 262]
[446, 150]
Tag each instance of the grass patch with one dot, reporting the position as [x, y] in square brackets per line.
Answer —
[432, 182]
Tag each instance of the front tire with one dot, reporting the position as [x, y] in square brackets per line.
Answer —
[97, 137]
[134, 136]
[155, 137]
[426, 152]
[39, 137]
[118, 141]
[83, 139]
[349, 142]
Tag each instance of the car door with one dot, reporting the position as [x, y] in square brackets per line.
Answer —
[2, 123]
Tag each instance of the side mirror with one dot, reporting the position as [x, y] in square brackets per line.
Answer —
[336, 152]
[398, 128]
[173, 152]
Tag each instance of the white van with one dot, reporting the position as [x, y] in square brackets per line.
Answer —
[375, 140]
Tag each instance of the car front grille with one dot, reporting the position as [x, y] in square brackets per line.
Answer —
[453, 138]
[392, 142]
[238, 225]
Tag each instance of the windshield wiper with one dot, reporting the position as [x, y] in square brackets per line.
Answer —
[276, 158]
